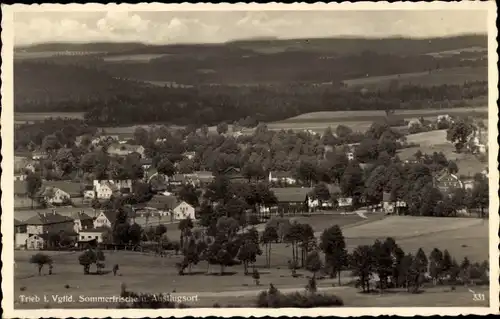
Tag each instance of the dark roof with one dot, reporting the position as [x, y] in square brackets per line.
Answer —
[47, 218]
[146, 161]
[291, 194]
[162, 202]
[94, 230]
[74, 189]
[111, 215]
[17, 222]
[81, 216]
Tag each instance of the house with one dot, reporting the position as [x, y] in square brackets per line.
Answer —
[73, 189]
[184, 211]
[444, 117]
[292, 199]
[48, 222]
[20, 233]
[93, 234]
[106, 219]
[468, 184]
[162, 205]
[447, 182]
[414, 122]
[105, 188]
[233, 173]
[82, 221]
[37, 229]
[178, 179]
[350, 156]
[55, 196]
[203, 177]
[390, 206]
[105, 138]
[39, 156]
[282, 177]
[118, 149]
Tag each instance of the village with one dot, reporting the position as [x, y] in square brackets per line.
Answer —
[51, 206]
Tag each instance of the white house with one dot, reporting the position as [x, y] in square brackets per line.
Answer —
[55, 195]
[125, 149]
[91, 234]
[105, 219]
[105, 188]
[183, 211]
[82, 221]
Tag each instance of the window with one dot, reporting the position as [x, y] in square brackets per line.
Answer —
[96, 237]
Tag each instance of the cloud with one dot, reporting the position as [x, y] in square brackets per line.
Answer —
[198, 27]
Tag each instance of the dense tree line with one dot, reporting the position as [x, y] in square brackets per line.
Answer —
[48, 87]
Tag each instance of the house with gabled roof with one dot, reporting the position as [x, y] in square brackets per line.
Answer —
[447, 182]
[106, 218]
[292, 199]
[82, 221]
[286, 178]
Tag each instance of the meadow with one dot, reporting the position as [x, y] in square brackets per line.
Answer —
[361, 121]
[452, 76]
[142, 272]
[40, 116]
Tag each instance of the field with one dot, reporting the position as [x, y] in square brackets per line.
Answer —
[428, 138]
[146, 273]
[132, 57]
[361, 120]
[21, 117]
[454, 76]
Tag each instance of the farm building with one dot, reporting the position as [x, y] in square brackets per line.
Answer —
[105, 188]
[292, 200]
[447, 182]
[89, 234]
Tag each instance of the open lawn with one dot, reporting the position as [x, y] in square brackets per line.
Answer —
[428, 138]
[20, 117]
[463, 237]
[361, 120]
[468, 164]
[450, 76]
[143, 272]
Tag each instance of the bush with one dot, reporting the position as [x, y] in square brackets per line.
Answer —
[275, 299]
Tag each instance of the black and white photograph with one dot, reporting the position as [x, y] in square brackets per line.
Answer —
[249, 156]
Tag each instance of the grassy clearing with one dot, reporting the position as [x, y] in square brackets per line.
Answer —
[132, 57]
[439, 77]
[353, 115]
[146, 273]
[35, 116]
[428, 138]
[461, 236]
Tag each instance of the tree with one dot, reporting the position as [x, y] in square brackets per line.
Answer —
[465, 268]
[33, 186]
[186, 166]
[459, 133]
[89, 257]
[188, 194]
[333, 245]
[269, 236]
[362, 263]
[452, 167]
[436, 265]
[248, 253]
[185, 227]
[66, 161]
[419, 267]
[41, 260]
[293, 236]
[351, 183]
[253, 170]
[135, 234]
[343, 131]
[480, 195]
[51, 143]
[141, 136]
[166, 167]
[383, 262]
[321, 193]
[313, 263]
[222, 128]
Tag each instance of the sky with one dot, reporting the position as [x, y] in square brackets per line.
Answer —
[168, 27]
